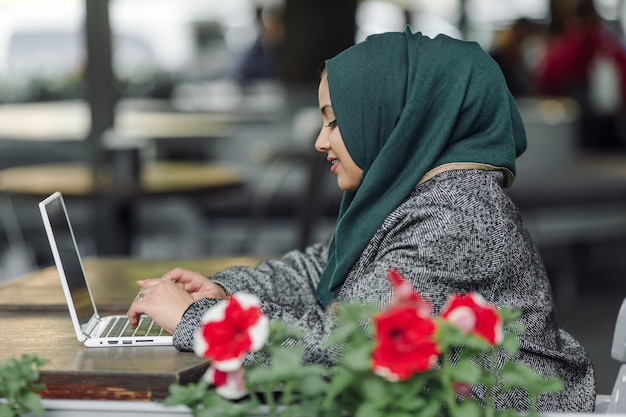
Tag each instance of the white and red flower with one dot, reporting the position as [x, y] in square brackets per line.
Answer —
[229, 385]
[471, 313]
[232, 329]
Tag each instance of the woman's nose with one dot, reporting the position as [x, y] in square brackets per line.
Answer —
[321, 143]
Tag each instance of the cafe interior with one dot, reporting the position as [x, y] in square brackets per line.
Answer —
[183, 130]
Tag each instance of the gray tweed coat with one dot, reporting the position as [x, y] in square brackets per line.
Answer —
[455, 233]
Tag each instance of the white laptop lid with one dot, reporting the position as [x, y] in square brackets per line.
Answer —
[79, 299]
[69, 264]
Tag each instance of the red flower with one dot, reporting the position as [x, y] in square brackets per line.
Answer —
[404, 343]
[471, 313]
[404, 294]
[231, 330]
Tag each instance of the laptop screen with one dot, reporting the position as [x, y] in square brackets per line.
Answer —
[63, 239]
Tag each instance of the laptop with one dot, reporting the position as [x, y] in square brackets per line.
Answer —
[91, 328]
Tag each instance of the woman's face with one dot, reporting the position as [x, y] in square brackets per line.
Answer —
[329, 141]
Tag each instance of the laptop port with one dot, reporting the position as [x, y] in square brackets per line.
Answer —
[112, 342]
[127, 342]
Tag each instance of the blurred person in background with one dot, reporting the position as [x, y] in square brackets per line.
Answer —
[263, 60]
[512, 53]
[585, 60]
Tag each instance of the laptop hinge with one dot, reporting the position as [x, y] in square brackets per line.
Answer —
[88, 327]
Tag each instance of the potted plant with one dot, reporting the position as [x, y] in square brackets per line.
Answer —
[19, 386]
[401, 361]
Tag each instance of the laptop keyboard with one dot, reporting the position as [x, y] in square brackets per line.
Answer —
[119, 327]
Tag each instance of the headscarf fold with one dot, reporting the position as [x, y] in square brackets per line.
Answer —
[405, 104]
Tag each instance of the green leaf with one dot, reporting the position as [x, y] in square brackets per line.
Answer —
[509, 316]
[31, 401]
[18, 384]
[399, 414]
[358, 358]
[467, 372]
[287, 360]
[313, 385]
[516, 374]
[412, 404]
[377, 389]
[510, 343]
[552, 384]
[466, 409]
[260, 376]
[187, 394]
[339, 383]
[449, 335]
[367, 410]
[280, 331]
[5, 410]
[432, 408]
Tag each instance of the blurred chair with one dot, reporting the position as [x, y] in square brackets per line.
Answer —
[300, 152]
[616, 403]
[16, 258]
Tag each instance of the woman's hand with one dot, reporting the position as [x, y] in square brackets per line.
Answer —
[167, 298]
[163, 300]
[195, 284]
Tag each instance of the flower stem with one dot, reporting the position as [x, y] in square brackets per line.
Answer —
[269, 400]
[447, 383]
[490, 381]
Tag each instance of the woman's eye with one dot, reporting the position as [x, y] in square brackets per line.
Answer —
[332, 123]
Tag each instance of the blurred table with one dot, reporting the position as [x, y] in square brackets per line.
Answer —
[34, 319]
[70, 121]
[196, 111]
[155, 178]
[114, 200]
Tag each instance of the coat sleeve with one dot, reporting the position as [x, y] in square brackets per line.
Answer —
[286, 288]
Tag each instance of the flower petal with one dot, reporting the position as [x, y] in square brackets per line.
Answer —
[488, 323]
[463, 317]
[404, 293]
[227, 384]
[259, 333]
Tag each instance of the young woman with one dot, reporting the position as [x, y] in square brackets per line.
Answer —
[422, 135]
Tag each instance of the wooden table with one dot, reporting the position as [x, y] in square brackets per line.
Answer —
[75, 372]
[111, 280]
[33, 321]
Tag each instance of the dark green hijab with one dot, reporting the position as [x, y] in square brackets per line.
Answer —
[406, 104]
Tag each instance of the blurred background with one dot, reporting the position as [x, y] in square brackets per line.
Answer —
[151, 90]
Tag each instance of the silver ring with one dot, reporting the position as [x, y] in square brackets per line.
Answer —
[141, 294]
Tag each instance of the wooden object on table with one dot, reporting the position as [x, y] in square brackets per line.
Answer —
[112, 282]
[76, 372]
